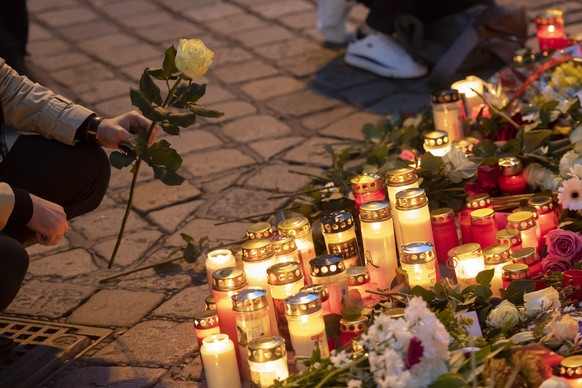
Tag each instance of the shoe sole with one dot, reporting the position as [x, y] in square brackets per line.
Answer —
[380, 69]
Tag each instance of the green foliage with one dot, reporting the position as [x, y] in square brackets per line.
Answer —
[516, 289]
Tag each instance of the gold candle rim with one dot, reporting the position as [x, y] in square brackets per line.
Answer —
[284, 273]
[338, 221]
[357, 275]
[510, 165]
[367, 183]
[256, 250]
[318, 289]
[327, 265]
[571, 367]
[400, 176]
[283, 244]
[249, 300]
[521, 220]
[478, 201]
[526, 255]
[228, 279]
[410, 199]
[295, 226]
[266, 348]
[303, 303]
[258, 230]
[375, 211]
[497, 254]
[417, 252]
[205, 319]
[542, 203]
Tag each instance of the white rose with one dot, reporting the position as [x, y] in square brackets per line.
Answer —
[193, 58]
[504, 316]
[555, 382]
[541, 301]
[569, 160]
[576, 135]
[564, 329]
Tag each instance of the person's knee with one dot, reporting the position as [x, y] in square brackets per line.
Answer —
[97, 165]
[13, 267]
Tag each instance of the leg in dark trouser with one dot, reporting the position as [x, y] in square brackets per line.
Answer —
[13, 266]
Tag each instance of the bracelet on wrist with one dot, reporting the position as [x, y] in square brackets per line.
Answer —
[91, 134]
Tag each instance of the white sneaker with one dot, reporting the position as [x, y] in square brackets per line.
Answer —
[380, 54]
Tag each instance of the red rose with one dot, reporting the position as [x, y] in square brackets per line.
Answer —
[565, 244]
[555, 263]
[488, 175]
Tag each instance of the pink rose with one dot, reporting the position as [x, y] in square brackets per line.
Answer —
[564, 243]
[555, 263]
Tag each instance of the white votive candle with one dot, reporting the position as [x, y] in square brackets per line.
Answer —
[217, 259]
[219, 360]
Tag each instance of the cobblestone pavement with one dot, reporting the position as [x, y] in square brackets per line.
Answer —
[283, 94]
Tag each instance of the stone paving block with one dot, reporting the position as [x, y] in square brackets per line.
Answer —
[192, 370]
[151, 343]
[264, 35]
[275, 10]
[37, 6]
[214, 162]
[105, 223]
[155, 195]
[104, 90]
[65, 17]
[300, 103]
[242, 72]
[89, 30]
[37, 32]
[169, 383]
[181, 5]
[121, 179]
[215, 94]
[368, 93]
[110, 376]
[283, 178]
[404, 102]
[236, 24]
[297, 47]
[337, 75]
[323, 119]
[350, 127]
[61, 61]
[47, 47]
[166, 278]
[228, 55]
[169, 218]
[120, 308]
[63, 265]
[151, 19]
[257, 127]
[72, 77]
[311, 152]
[298, 20]
[123, 9]
[120, 49]
[215, 185]
[211, 12]
[237, 203]
[49, 300]
[115, 106]
[170, 33]
[271, 87]
[132, 249]
[231, 109]
[310, 64]
[184, 304]
[193, 139]
[271, 147]
[201, 227]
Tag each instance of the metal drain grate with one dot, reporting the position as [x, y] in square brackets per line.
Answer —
[41, 349]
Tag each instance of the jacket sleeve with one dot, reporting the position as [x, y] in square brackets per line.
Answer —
[31, 107]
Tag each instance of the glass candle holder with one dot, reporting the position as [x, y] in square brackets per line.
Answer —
[260, 230]
[418, 260]
[227, 282]
[251, 313]
[483, 227]
[330, 271]
[511, 180]
[469, 88]
[512, 272]
[496, 256]
[414, 216]
[544, 207]
[339, 233]
[217, 259]
[468, 262]
[300, 228]
[444, 230]
[379, 243]
[209, 303]
[321, 291]
[267, 361]
[220, 363]
[399, 179]
[358, 279]
[285, 279]
[258, 255]
[285, 248]
[352, 328]
[448, 112]
[528, 256]
[437, 143]
[510, 236]
[472, 203]
[306, 326]
[550, 30]
[524, 221]
[367, 188]
[205, 324]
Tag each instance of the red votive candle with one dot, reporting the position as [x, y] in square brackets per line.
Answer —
[352, 328]
[512, 272]
[473, 202]
[528, 256]
[483, 227]
[367, 188]
[205, 324]
[524, 221]
[550, 30]
[511, 181]
[544, 208]
[444, 230]
[509, 236]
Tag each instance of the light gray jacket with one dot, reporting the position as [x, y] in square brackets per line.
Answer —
[33, 109]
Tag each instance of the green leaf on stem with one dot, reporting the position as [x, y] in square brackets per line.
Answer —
[168, 176]
[120, 160]
[139, 100]
[185, 94]
[162, 154]
[169, 65]
[484, 277]
[516, 289]
[431, 163]
[170, 129]
[449, 380]
[425, 294]
[186, 237]
[485, 148]
[202, 111]
[150, 90]
[533, 140]
[546, 112]
[184, 120]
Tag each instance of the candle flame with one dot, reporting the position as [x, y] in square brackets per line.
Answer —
[551, 28]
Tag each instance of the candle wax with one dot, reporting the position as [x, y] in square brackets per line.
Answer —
[220, 365]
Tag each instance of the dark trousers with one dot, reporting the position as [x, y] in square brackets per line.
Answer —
[74, 177]
[383, 13]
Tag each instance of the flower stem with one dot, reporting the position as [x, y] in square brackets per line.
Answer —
[167, 261]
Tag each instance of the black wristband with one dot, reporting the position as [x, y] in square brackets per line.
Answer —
[91, 134]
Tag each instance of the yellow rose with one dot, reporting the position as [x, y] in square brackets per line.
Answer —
[505, 316]
[193, 58]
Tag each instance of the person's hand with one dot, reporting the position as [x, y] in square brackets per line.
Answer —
[48, 221]
[111, 132]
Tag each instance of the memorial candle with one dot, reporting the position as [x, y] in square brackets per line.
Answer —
[550, 30]
[511, 180]
[472, 203]
[367, 188]
[377, 229]
[544, 208]
[414, 218]
[260, 230]
[444, 230]
[205, 324]
[513, 272]
[306, 326]
[528, 256]
[285, 248]
[448, 112]
[321, 291]
[437, 143]
[496, 256]
[300, 228]
[359, 279]
[330, 271]
[209, 303]
[468, 262]
[399, 179]
[470, 88]
[418, 260]
[267, 361]
[524, 221]
[483, 227]
[352, 328]
[219, 359]
[509, 236]
[339, 233]
[217, 259]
